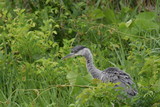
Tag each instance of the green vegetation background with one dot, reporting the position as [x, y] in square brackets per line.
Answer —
[36, 34]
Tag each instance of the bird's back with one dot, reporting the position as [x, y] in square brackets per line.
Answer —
[115, 75]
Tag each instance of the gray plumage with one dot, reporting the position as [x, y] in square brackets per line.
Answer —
[111, 74]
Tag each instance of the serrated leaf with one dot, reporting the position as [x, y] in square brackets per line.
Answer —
[146, 15]
[141, 25]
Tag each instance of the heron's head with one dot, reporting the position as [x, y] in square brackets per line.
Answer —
[77, 51]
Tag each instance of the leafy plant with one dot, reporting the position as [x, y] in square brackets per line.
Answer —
[36, 34]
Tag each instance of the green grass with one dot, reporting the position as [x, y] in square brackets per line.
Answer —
[33, 41]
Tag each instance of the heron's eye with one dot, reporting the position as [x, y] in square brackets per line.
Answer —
[73, 51]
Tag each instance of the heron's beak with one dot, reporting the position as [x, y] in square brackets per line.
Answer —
[69, 55]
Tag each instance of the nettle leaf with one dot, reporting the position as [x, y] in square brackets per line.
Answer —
[110, 16]
[147, 15]
[144, 22]
[141, 25]
[122, 27]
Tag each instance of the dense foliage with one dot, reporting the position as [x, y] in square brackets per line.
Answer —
[36, 34]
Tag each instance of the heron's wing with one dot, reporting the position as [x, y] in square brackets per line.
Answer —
[115, 75]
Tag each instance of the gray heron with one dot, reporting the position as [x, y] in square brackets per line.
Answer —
[111, 74]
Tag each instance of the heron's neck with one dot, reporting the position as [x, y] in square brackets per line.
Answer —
[90, 65]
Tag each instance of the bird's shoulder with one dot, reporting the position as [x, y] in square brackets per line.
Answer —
[115, 74]
[112, 70]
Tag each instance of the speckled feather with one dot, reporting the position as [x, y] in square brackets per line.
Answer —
[115, 75]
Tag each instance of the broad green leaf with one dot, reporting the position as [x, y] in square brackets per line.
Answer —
[142, 25]
[122, 27]
[110, 16]
[146, 15]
